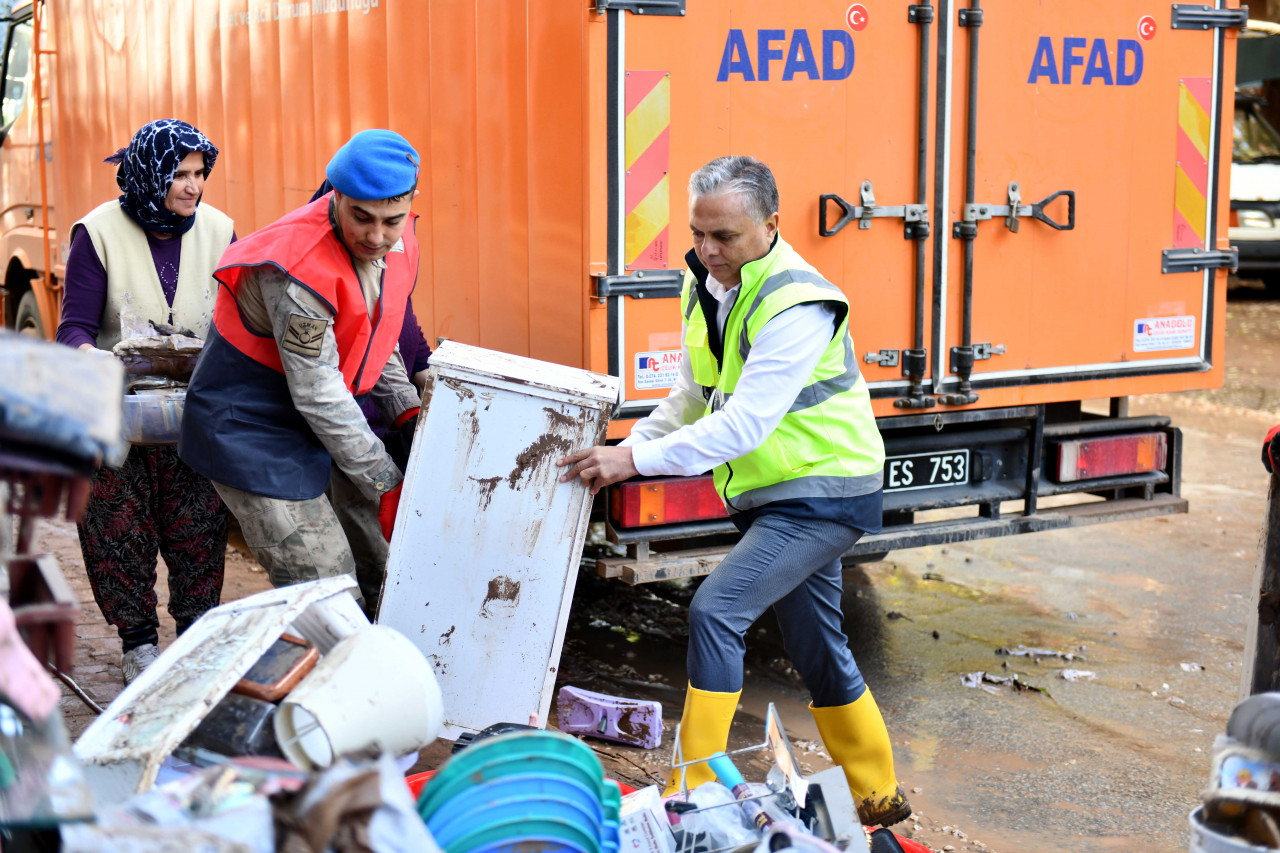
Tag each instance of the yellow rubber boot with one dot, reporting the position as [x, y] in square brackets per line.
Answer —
[858, 741]
[704, 731]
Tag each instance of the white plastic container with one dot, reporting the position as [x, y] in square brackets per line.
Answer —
[154, 417]
[373, 693]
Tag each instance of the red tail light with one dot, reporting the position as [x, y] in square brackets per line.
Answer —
[665, 501]
[1087, 458]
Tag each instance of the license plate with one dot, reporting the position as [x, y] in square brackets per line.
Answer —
[926, 470]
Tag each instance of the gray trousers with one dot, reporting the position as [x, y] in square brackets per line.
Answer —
[334, 534]
[792, 565]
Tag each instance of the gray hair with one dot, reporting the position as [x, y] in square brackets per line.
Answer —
[737, 174]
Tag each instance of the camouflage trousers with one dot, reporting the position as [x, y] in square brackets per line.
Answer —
[334, 534]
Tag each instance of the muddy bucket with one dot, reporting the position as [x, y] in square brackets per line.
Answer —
[1205, 839]
[374, 692]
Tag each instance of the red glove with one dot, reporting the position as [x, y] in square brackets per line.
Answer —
[387, 507]
[404, 416]
[1270, 450]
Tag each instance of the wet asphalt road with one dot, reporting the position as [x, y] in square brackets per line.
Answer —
[1154, 608]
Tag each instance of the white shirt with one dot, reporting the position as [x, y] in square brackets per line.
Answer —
[673, 440]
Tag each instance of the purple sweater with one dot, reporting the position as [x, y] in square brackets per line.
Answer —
[85, 285]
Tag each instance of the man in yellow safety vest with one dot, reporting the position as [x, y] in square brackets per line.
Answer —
[770, 399]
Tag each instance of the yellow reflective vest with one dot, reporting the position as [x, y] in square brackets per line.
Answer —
[827, 445]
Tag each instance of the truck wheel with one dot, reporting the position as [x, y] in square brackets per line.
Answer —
[27, 319]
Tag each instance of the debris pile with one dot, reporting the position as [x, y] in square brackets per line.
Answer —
[1241, 804]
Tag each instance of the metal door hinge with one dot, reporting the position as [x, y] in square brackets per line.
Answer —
[1014, 211]
[884, 358]
[1197, 260]
[914, 362]
[970, 17]
[920, 13]
[866, 211]
[979, 352]
[669, 8]
[1188, 16]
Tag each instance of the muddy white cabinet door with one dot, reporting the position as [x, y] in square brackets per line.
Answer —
[487, 540]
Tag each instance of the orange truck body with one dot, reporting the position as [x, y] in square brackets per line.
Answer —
[557, 138]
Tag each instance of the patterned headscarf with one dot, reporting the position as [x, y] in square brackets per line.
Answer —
[146, 170]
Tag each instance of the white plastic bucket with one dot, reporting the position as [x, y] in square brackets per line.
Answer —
[375, 692]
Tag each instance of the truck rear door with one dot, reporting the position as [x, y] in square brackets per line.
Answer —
[1059, 226]
[1112, 110]
[798, 86]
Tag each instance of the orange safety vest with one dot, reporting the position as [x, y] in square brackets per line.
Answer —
[303, 245]
[240, 427]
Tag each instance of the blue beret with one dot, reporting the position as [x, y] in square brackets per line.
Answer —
[373, 165]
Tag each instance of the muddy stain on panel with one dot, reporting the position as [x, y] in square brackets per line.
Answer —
[464, 392]
[428, 390]
[503, 594]
[546, 449]
[447, 635]
[556, 418]
[487, 485]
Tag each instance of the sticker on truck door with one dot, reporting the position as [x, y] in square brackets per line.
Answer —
[1164, 333]
[657, 369]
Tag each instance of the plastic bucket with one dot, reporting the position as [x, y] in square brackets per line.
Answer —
[1205, 839]
[521, 845]
[490, 813]
[517, 754]
[542, 831]
[374, 692]
[475, 798]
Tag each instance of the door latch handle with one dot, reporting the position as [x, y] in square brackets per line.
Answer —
[846, 214]
[916, 215]
[1014, 211]
[1037, 210]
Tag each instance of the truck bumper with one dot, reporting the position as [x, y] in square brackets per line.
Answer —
[1000, 495]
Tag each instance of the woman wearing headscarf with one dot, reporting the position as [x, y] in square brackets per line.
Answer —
[154, 250]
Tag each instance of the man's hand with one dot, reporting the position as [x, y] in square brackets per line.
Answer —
[599, 466]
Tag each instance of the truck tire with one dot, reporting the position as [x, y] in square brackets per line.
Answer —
[27, 318]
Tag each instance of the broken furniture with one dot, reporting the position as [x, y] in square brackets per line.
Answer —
[59, 420]
[124, 748]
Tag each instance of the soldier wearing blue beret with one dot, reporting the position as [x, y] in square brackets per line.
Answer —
[306, 324]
